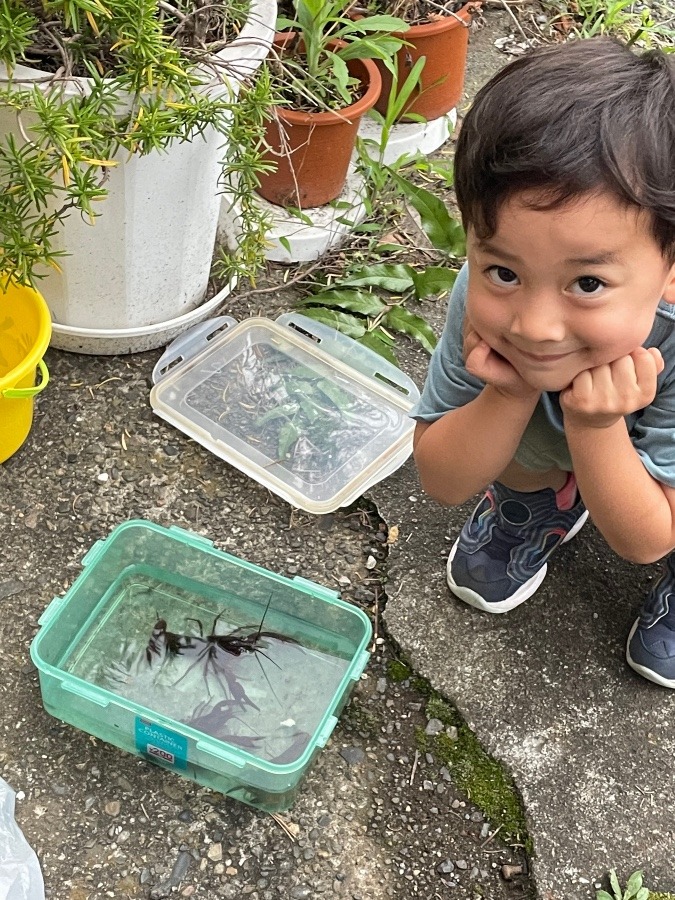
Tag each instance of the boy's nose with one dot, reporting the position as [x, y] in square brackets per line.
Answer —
[538, 321]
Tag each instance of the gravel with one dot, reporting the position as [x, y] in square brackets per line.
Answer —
[374, 818]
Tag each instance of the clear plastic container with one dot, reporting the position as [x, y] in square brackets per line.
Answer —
[306, 411]
[200, 662]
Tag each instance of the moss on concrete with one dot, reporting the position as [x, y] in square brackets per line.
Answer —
[484, 781]
[662, 896]
[397, 671]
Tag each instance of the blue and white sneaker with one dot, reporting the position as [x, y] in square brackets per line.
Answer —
[651, 643]
[500, 557]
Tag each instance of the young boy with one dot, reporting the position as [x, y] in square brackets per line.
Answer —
[554, 379]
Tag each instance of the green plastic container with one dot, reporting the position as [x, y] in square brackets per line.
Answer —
[227, 673]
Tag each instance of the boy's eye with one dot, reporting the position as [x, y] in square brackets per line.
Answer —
[502, 276]
[588, 285]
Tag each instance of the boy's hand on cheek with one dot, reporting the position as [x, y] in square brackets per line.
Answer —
[488, 365]
[600, 397]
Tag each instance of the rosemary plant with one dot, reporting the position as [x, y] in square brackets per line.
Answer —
[115, 77]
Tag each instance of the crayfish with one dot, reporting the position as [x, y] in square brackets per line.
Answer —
[233, 644]
[213, 720]
[213, 649]
[166, 643]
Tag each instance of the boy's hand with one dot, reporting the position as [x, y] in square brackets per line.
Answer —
[600, 397]
[488, 365]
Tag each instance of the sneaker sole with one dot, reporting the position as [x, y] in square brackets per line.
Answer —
[523, 593]
[649, 674]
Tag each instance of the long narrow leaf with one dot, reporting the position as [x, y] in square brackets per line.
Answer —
[445, 233]
[383, 23]
[332, 392]
[282, 412]
[399, 95]
[434, 280]
[341, 75]
[400, 319]
[616, 887]
[394, 277]
[342, 322]
[374, 24]
[381, 47]
[375, 341]
[353, 301]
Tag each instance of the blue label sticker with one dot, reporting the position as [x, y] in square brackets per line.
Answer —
[161, 745]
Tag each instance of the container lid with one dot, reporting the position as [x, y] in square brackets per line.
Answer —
[306, 411]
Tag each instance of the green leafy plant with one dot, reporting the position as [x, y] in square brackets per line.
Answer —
[371, 152]
[242, 167]
[633, 891]
[312, 67]
[631, 22]
[60, 137]
[381, 197]
[369, 303]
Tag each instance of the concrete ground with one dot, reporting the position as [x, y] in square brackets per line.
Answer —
[545, 689]
[375, 818]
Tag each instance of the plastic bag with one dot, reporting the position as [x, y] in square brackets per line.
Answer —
[20, 875]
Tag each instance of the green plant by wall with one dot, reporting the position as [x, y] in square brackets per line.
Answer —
[627, 20]
[634, 889]
[369, 302]
[145, 62]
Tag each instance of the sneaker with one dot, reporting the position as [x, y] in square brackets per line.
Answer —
[500, 557]
[651, 643]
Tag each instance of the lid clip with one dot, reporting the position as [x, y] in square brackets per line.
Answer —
[187, 345]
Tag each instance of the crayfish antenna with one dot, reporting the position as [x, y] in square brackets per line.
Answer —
[263, 617]
[262, 669]
[199, 623]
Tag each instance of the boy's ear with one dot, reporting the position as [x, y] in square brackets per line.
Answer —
[669, 291]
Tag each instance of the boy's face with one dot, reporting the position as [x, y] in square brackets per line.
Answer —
[560, 291]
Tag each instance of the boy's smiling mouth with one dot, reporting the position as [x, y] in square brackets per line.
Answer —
[542, 358]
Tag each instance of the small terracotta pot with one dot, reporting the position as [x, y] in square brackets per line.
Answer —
[444, 42]
[317, 147]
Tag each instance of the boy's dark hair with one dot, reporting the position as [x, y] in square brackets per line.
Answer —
[567, 120]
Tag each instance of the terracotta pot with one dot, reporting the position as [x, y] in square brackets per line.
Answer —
[312, 169]
[444, 42]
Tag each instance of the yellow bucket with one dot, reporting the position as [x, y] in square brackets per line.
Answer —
[25, 332]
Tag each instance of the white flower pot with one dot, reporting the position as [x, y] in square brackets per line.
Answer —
[146, 260]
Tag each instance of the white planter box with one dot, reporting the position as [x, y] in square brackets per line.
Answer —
[147, 258]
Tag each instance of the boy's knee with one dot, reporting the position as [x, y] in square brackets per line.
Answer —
[641, 556]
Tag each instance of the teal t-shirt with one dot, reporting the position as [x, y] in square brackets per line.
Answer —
[652, 430]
